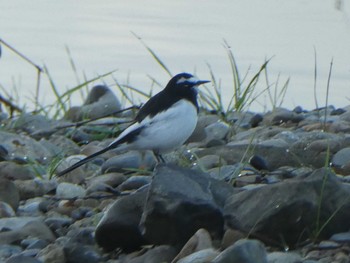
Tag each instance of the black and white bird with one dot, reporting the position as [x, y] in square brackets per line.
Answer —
[163, 123]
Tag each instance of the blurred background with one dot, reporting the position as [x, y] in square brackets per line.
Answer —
[187, 35]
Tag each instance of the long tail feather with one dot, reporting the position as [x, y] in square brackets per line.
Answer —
[85, 160]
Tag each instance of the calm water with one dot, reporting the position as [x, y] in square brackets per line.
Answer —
[187, 35]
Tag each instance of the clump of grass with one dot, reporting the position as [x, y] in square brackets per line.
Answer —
[319, 225]
[244, 90]
[327, 89]
[60, 107]
[276, 93]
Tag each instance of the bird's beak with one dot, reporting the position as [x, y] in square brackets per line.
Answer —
[200, 82]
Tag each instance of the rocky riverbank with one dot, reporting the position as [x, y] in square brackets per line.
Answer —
[250, 187]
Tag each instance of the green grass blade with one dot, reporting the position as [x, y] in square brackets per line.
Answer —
[154, 55]
[80, 86]
[55, 91]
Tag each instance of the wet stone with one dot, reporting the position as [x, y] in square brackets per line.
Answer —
[129, 160]
[7, 251]
[87, 216]
[328, 244]
[341, 237]
[135, 182]
[69, 191]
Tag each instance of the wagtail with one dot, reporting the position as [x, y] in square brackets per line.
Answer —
[163, 123]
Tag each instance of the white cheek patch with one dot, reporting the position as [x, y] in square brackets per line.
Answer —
[192, 80]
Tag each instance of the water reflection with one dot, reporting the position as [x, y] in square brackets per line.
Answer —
[186, 35]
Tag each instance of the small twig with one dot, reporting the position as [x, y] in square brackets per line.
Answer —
[21, 55]
[9, 104]
[115, 193]
[80, 123]
[37, 91]
[39, 69]
[327, 94]
[315, 82]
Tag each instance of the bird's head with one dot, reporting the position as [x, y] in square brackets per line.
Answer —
[184, 82]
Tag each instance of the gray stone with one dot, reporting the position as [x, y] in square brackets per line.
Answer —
[24, 147]
[77, 176]
[7, 251]
[135, 182]
[284, 257]
[61, 142]
[200, 241]
[34, 243]
[82, 235]
[341, 161]
[345, 116]
[217, 130]
[14, 223]
[97, 189]
[82, 254]
[226, 172]
[111, 179]
[31, 207]
[230, 237]
[199, 133]
[210, 161]
[9, 193]
[181, 201]
[322, 145]
[244, 119]
[22, 259]
[119, 227]
[14, 171]
[34, 188]
[69, 191]
[328, 244]
[53, 253]
[274, 143]
[157, 254]
[30, 122]
[338, 111]
[277, 153]
[287, 136]
[341, 237]
[289, 209]
[33, 229]
[201, 256]
[281, 115]
[287, 172]
[243, 251]
[56, 223]
[100, 102]
[6, 210]
[339, 127]
[131, 159]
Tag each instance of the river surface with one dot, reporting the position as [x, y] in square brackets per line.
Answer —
[187, 35]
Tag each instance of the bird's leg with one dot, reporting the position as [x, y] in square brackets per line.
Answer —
[159, 157]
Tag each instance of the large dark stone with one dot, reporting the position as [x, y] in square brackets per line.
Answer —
[292, 211]
[181, 201]
[120, 225]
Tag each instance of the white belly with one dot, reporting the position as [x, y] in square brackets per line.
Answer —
[167, 130]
